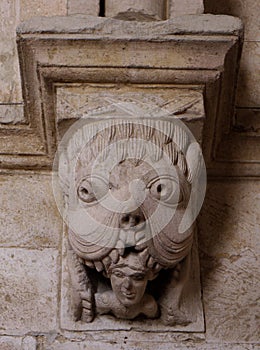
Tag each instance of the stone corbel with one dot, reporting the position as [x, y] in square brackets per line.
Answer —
[114, 75]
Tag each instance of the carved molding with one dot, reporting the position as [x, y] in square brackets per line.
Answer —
[200, 50]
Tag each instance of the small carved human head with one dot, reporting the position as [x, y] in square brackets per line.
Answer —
[129, 278]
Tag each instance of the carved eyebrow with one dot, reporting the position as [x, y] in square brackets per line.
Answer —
[117, 268]
[152, 176]
[140, 274]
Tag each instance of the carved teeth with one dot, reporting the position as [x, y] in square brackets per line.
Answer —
[99, 266]
[89, 264]
[139, 236]
[122, 236]
[114, 255]
[130, 240]
[150, 262]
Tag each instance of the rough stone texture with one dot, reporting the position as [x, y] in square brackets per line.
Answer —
[89, 7]
[248, 121]
[185, 7]
[10, 343]
[32, 8]
[169, 45]
[247, 10]
[10, 90]
[17, 343]
[148, 343]
[107, 322]
[11, 114]
[29, 343]
[228, 228]
[249, 81]
[73, 103]
[12, 12]
[190, 24]
[230, 243]
[28, 290]
[29, 215]
[136, 10]
[248, 94]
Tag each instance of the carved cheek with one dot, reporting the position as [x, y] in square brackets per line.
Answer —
[149, 206]
[103, 215]
[172, 228]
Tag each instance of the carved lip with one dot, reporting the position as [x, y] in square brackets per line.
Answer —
[130, 295]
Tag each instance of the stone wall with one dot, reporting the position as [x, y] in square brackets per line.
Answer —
[248, 95]
[31, 227]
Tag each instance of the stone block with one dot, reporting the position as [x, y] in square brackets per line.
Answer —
[32, 8]
[29, 343]
[89, 7]
[136, 10]
[28, 291]
[125, 342]
[229, 242]
[10, 90]
[10, 343]
[185, 7]
[29, 216]
[248, 94]
[248, 11]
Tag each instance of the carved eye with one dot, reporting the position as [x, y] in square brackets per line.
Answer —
[118, 274]
[92, 189]
[139, 277]
[166, 190]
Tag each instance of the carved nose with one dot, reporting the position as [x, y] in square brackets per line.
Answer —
[127, 284]
[132, 220]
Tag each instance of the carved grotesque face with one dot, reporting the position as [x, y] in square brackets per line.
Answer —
[131, 191]
[135, 200]
[129, 280]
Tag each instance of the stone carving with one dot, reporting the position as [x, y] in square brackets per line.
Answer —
[130, 187]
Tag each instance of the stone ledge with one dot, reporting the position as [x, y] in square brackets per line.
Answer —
[190, 24]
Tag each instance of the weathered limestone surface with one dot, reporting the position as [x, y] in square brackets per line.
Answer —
[75, 102]
[195, 24]
[11, 114]
[136, 10]
[28, 290]
[247, 10]
[248, 94]
[89, 7]
[17, 343]
[10, 90]
[10, 343]
[29, 216]
[169, 58]
[248, 121]
[32, 8]
[229, 223]
[185, 7]
[29, 343]
[230, 244]
[125, 344]
[12, 12]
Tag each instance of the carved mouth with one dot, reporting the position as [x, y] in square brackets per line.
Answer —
[129, 295]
